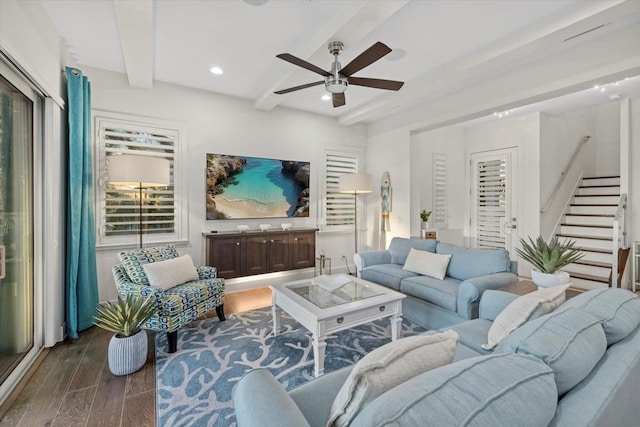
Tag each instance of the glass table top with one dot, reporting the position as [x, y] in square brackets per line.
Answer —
[323, 298]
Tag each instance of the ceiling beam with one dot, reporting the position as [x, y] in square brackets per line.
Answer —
[135, 26]
[360, 19]
[471, 70]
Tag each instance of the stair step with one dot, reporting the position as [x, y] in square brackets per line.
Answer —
[598, 189]
[599, 186]
[586, 231]
[599, 195]
[602, 177]
[596, 250]
[588, 277]
[587, 285]
[581, 209]
[591, 214]
[594, 263]
[587, 225]
[600, 180]
[578, 236]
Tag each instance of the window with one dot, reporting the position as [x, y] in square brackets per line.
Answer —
[338, 208]
[121, 208]
[440, 190]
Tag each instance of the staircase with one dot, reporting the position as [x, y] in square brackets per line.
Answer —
[589, 221]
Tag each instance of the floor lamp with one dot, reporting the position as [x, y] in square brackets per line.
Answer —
[355, 183]
[139, 172]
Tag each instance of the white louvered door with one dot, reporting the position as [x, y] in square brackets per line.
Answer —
[493, 202]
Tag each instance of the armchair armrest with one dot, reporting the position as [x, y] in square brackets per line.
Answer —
[207, 272]
[126, 287]
[471, 290]
[261, 401]
[493, 302]
[365, 259]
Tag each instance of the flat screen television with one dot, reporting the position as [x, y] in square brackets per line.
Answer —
[241, 187]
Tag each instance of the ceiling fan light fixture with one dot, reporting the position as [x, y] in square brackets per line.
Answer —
[336, 84]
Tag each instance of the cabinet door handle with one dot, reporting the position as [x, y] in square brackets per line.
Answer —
[296, 239]
[264, 241]
[272, 241]
[2, 262]
[237, 243]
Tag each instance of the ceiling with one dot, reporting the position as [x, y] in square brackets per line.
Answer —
[447, 44]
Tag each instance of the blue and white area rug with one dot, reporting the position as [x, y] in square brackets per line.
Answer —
[195, 384]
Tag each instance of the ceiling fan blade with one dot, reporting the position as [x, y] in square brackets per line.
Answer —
[291, 89]
[338, 100]
[366, 58]
[302, 63]
[376, 83]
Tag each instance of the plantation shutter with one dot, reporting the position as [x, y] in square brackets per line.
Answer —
[491, 202]
[122, 206]
[338, 207]
[440, 190]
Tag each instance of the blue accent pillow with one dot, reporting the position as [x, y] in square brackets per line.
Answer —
[399, 248]
[468, 263]
[617, 309]
[132, 261]
[571, 342]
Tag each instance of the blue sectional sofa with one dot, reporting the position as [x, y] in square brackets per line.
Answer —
[434, 303]
[576, 366]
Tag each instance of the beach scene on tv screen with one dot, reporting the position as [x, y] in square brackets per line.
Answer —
[241, 187]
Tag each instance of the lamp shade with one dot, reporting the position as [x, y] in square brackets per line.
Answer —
[134, 170]
[354, 183]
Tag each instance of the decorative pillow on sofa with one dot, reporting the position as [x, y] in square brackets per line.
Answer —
[172, 272]
[132, 261]
[522, 309]
[427, 263]
[388, 366]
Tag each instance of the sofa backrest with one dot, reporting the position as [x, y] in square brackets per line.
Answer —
[132, 261]
[467, 263]
[494, 390]
[400, 246]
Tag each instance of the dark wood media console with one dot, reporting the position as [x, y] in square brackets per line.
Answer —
[237, 254]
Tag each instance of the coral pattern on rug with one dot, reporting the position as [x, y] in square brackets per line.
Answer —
[195, 384]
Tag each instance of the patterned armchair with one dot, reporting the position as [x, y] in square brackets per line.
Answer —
[176, 306]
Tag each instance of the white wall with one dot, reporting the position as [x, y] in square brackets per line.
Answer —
[633, 203]
[390, 152]
[227, 125]
[450, 141]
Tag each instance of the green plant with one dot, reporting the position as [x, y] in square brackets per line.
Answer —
[424, 215]
[125, 317]
[549, 257]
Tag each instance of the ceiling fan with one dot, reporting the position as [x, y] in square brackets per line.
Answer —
[339, 78]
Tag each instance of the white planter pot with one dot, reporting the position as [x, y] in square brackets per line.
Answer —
[425, 225]
[127, 355]
[544, 280]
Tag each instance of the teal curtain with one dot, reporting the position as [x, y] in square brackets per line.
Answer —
[82, 281]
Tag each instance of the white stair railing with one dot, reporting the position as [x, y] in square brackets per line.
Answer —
[619, 237]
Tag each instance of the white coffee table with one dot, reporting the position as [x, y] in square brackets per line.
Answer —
[325, 312]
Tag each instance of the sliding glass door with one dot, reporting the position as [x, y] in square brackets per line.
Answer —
[16, 227]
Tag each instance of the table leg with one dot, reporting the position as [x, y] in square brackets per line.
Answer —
[396, 326]
[319, 347]
[275, 310]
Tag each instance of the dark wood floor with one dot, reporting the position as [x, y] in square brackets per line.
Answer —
[71, 384]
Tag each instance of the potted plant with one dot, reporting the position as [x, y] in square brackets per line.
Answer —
[128, 346]
[549, 258]
[424, 217]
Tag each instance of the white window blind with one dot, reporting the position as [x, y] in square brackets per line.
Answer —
[491, 202]
[338, 207]
[120, 206]
[440, 190]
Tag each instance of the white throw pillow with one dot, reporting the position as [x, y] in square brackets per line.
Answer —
[521, 310]
[427, 263]
[387, 367]
[172, 272]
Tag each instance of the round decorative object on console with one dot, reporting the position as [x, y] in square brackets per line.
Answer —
[242, 228]
[265, 227]
[286, 226]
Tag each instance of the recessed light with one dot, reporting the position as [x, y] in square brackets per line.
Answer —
[326, 97]
[216, 70]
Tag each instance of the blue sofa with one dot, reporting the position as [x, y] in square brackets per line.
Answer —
[434, 303]
[576, 366]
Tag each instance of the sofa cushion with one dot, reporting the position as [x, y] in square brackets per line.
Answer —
[427, 263]
[443, 293]
[132, 261]
[399, 248]
[473, 334]
[570, 341]
[172, 272]
[493, 390]
[388, 275]
[467, 263]
[387, 367]
[617, 309]
[524, 308]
